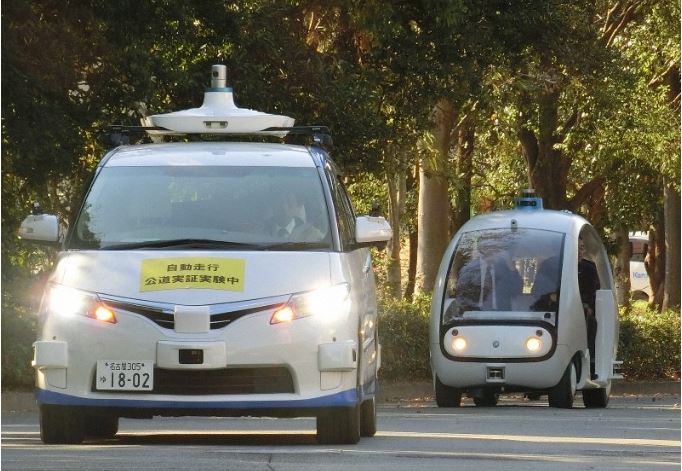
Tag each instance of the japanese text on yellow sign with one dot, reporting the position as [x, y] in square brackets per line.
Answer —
[190, 272]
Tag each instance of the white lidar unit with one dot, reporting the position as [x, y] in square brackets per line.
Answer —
[219, 115]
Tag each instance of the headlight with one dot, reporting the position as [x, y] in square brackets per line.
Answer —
[459, 344]
[329, 303]
[69, 302]
[533, 344]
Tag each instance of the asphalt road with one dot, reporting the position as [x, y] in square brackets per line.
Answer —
[634, 433]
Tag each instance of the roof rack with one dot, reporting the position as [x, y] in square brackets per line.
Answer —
[120, 134]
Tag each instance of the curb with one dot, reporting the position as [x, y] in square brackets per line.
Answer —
[389, 392]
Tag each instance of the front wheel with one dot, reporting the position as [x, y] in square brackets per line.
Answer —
[339, 426]
[447, 396]
[368, 418]
[101, 426]
[61, 424]
[563, 394]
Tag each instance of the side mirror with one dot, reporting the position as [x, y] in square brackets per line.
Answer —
[40, 228]
[369, 229]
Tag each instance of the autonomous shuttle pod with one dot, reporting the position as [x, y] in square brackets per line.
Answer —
[507, 313]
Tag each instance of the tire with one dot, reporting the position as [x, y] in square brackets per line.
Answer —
[339, 426]
[368, 418]
[61, 424]
[597, 398]
[563, 394]
[487, 399]
[447, 396]
[101, 426]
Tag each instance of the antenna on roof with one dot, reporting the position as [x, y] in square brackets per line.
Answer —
[219, 114]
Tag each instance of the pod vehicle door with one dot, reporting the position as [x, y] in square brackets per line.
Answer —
[524, 303]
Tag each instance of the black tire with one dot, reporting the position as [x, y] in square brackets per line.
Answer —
[368, 418]
[339, 426]
[596, 398]
[101, 426]
[487, 399]
[447, 396]
[563, 394]
[61, 424]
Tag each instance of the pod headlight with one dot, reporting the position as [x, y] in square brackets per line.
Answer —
[459, 344]
[533, 344]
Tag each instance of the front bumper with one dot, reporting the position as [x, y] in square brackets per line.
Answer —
[321, 358]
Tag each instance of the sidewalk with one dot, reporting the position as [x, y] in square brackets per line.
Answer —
[389, 392]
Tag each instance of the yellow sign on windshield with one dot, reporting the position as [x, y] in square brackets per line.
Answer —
[191, 272]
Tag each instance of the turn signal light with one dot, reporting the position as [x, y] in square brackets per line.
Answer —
[285, 314]
[104, 314]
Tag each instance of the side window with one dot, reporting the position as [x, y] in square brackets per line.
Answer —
[344, 212]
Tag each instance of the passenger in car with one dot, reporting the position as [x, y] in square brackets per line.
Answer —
[588, 283]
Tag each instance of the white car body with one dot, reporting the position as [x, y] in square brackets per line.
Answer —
[210, 351]
[482, 351]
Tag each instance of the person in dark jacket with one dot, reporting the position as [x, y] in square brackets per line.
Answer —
[588, 283]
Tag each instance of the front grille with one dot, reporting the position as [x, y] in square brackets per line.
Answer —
[266, 380]
[165, 318]
[270, 380]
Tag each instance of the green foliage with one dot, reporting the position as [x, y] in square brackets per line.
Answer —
[18, 334]
[649, 343]
[404, 337]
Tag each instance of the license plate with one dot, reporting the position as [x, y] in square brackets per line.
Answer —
[119, 375]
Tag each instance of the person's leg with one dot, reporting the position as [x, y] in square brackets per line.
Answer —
[591, 337]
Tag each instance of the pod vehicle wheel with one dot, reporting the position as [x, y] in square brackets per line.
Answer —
[486, 399]
[61, 424]
[447, 396]
[563, 394]
[339, 426]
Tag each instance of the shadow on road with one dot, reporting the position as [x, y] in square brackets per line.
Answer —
[231, 438]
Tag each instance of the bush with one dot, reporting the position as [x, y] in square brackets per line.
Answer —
[18, 335]
[649, 343]
[404, 337]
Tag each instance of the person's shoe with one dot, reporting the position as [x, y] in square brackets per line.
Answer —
[594, 376]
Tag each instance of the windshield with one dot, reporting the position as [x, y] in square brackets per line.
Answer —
[503, 270]
[206, 207]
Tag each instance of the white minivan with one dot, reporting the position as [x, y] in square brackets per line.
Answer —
[210, 278]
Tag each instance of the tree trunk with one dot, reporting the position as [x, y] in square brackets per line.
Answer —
[655, 262]
[411, 182]
[434, 208]
[396, 208]
[465, 147]
[671, 205]
[622, 268]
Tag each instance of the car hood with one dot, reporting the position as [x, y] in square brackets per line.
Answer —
[193, 277]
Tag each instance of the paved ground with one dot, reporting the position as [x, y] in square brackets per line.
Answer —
[414, 392]
[636, 432]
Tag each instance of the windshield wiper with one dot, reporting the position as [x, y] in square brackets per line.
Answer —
[183, 244]
[295, 246]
